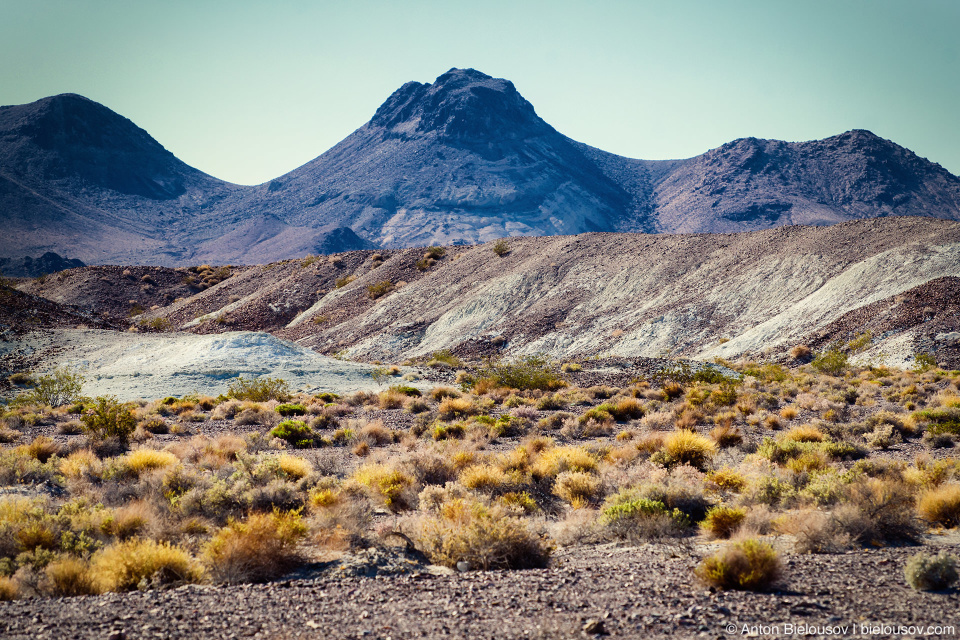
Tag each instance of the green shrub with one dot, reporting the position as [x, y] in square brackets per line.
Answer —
[923, 361]
[109, 418]
[931, 573]
[412, 392]
[832, 362]
[444, 356]
[435, 252]
[379, 289]
[57, 389]
[344, 281]
[296, 432]
[941, 420]
[291, 409]
[526, 372]
[749, 564]
[501, 247]
[259, 389]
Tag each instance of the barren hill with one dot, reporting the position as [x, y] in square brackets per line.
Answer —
[463, 160]
[693, 295]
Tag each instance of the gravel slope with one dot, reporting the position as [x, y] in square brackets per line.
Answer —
[644, 592]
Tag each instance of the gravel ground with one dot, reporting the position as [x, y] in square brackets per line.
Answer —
[645, 592]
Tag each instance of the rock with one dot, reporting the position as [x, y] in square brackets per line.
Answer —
[594, 627]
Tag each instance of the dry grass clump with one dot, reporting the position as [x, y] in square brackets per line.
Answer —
[138, 563]
[746, 565]
[484, 537]
[685, 447]
[69, 576]
[9, 589]
[941, 505]
[262, 547]
[485, 478]
[555, 460]
[456, 408]
[142, 460]
[722, 522]
[805, 433]
[440, 393]
[726, 436]
[80, 463]
[294, 467]
[42, 448]
[727, 479]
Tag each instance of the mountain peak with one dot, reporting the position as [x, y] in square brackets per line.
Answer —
[71, 136]
[462, 104]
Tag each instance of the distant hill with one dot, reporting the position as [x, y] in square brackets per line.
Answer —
[463, 160]
[745, 295]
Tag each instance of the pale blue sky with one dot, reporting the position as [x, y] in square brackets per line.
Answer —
[247, 91]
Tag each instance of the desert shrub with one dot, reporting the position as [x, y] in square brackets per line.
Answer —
[800, 352]
[685, 447]
[926, 572]
[577, 487]
[57, 389]
[389, 484]
[109, 418]
[941, 505]
[555, 460]
[526, 372]
[259, 389]
[288, 409]
[747, 564]
[341, 282]
[722, 522]
[727, 479]
[406, 390]
[832, 362]
[551, 402]
[626, 409]
[885, 510]
[883, 437]
[379, 289]
[69, 576]
[627, 516]
[453, 408]
[137, 563]
[444, 358]
[817, 531]
[501, 247]
[923, 362]
[440, 393]
[938, 440]
[154, 425]
[295, 432]
[940, 420]
[260, 548]
[484, 537]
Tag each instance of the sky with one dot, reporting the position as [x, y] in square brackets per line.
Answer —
[247, 91]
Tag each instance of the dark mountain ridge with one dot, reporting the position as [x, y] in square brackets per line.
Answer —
[463, 160]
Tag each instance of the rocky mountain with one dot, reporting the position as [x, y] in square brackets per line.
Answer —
[29, 267]
[463, 160]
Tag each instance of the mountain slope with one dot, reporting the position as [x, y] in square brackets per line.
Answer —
[463, 160]
[696, 295]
